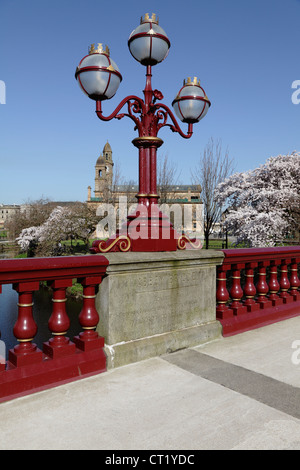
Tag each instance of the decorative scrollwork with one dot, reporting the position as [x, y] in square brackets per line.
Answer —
[162, 116]
[134, 105]
[151, 119]
[121, 243]
[175, 126]
[184, 242]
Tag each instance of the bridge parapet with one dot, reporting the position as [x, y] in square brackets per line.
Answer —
[60, 360]
[256, 287]
[149, 303]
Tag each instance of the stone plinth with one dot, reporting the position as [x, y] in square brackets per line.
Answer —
[154, 303]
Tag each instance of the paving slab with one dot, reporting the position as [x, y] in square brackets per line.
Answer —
[234, 393]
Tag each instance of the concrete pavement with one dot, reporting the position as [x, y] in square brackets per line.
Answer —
[241, 392]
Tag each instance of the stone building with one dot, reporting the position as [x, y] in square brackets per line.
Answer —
[187, 197]
[7, 211]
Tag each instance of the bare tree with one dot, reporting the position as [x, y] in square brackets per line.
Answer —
[109, 191]
[83, 220]
[213, 167]
[167, 177]
[130, 190]
[33, 213]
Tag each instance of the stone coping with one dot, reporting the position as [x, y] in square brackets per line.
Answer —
[141, 260]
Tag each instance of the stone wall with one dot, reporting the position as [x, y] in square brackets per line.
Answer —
[154, 303]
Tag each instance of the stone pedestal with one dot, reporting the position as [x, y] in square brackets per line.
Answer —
[154, 303]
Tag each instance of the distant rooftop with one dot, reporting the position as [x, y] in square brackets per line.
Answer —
[175, 187]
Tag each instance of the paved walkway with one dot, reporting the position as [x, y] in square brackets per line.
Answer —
[240, 393]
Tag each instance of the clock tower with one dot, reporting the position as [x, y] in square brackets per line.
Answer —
[104, 171]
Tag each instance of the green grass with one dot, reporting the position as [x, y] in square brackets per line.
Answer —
[216, 245]
[76, 290]
[73, 242]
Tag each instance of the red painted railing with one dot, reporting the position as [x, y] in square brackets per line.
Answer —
[30, 369]
[256, 287]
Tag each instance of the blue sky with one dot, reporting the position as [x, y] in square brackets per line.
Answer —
[245, 54]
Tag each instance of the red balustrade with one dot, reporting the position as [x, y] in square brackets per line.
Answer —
[223, 310]
[60, 360]
[268, 292]
[294, 279]
[249, 289]
[89, 317]
[59, 323]
[274, 286]
[236, 291]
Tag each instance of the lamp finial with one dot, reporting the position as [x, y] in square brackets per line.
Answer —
[189, 81]
[147, 19]
[99, 50]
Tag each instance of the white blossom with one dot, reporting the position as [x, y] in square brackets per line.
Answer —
[263, 204]
[28, 236]
[61, 225]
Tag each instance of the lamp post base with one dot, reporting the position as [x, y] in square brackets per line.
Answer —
[145, 233]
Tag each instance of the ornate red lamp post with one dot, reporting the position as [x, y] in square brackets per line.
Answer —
[99, 78]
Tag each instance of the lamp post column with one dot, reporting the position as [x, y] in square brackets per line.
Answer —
[143, 173]
[153, 196]
[147, 146]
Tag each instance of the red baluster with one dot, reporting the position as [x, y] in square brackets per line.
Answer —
[294, 279]
[2, 358]
[25, 329]
[249, 288]
[284, 282]
[59, 322]
[274, 285]
[88, 317]
[236, 292]
[222, 294]
[262, 285]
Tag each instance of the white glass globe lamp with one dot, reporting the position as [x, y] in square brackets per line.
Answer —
[148, 43]
[191, 103]
[98, 75]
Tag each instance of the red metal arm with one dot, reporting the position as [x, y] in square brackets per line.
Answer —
[137, 106]
[175, 127]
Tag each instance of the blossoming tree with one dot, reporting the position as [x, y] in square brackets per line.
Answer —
[263, 205]
[63, 223]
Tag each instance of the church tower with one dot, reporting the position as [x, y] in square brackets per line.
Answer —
[104, 171]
